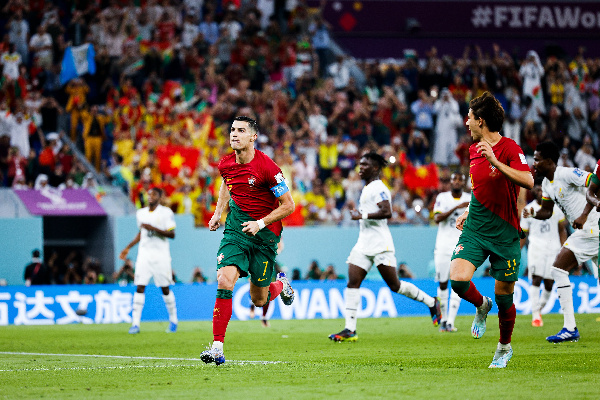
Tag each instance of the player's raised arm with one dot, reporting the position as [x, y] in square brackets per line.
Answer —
[518, 177]
[543, 213]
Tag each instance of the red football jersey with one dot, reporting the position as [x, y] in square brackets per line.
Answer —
[255, 186]
[493, 192]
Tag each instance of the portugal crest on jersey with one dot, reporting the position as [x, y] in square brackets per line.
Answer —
[251, 181]
[458, 248]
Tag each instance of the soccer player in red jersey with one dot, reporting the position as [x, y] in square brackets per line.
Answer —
[490, 224]
[258, 199]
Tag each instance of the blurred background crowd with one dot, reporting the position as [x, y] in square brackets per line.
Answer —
[170, 76]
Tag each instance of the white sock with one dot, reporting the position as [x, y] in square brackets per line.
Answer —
[171, 307]
[138, 305]
[352, 303]
[503, 346]
[412, 292]
[453, 308]
[443, 296]
[565, 296]
[544, 298]
[217, 345]
[534, 294]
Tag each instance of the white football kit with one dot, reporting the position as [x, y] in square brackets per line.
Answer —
[567, 191]
[544, 241]
[448, 234]
[154, 254]
[375, 244]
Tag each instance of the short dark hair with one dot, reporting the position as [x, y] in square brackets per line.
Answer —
[548, 150]
[251, 122]
[157, 190]
[379, 160]
[458, 173]
[35, 253]
[489, 108]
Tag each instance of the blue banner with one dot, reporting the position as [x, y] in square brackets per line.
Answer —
[104, 304]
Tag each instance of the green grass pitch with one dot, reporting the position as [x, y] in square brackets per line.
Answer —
[394, 358]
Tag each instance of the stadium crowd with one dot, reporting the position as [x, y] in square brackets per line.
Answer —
[171, 75]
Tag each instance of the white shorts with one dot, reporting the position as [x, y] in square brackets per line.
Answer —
[159, 268]
[540, 263]
[584, 246]
[442, 265]
[365, 262]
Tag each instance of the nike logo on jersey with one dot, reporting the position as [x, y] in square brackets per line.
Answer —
[260, 280]
[505, 274]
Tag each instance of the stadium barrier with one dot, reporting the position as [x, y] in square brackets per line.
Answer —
[49, 305]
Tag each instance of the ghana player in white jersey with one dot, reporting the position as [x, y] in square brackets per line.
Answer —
[448, 207]
[156, 224]
[375, 246]
[566, 187]
[545, 240]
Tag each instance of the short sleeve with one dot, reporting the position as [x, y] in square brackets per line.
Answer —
[275, 179]
[559, 214]
[169, 219]
[575, 176]
[545, 194]
[439, 206]
[516, 158]
[525, 223]
[137, 219]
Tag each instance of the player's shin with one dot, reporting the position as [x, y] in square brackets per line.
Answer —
[507, 314]
[453, 307]
[565, 296]
[275, 289]
[138, 305]
[412, 292]
[222, 314]
[171, 306]
[443, 296]
[352, 303]
[544, 298]
[534, 295]
[467, 290]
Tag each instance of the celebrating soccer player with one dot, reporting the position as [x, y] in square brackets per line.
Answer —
[156, 224]
[566, 187]
[375, 246]
[490, 225]
[258, 199]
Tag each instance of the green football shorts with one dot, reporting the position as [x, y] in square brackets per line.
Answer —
[256, 260]
[504, 259]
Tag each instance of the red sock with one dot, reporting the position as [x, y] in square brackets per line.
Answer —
[506, 321]
[275, 288]
[473, 296]
[265, 309]
[221, 317]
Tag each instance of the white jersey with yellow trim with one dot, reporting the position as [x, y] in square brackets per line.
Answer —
[567, 191]
[150, 242]
[544, 236]
[448, 234]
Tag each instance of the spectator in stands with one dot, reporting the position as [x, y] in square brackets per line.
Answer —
[40, 45]
[198, 276]
[314, 272]
[404, 271]
[125, 275]
[94, 133]
[584, 158]
[37, 273]
[329, 273]
[446, 128]
[422, 109]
